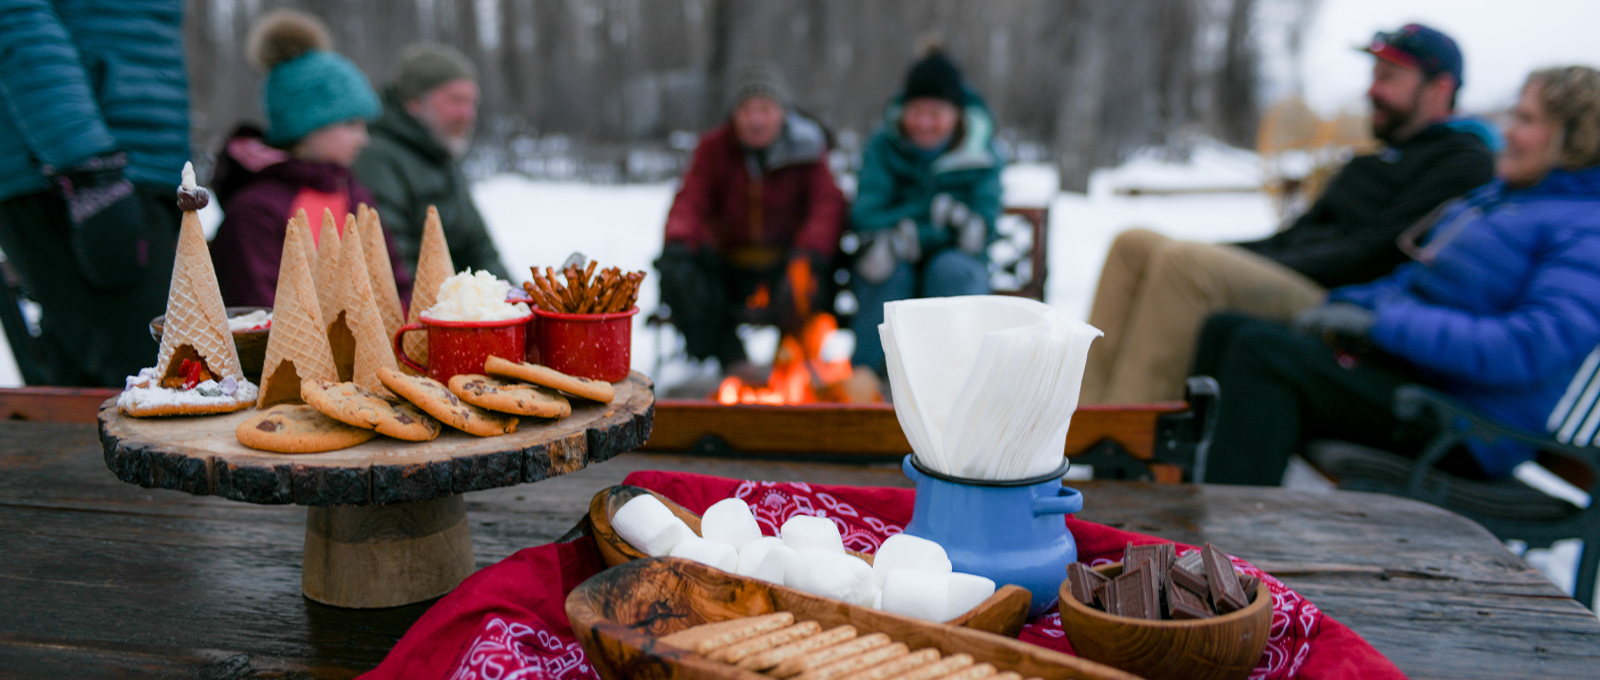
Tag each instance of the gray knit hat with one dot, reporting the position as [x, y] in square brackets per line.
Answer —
[759, 79]
[424, 66]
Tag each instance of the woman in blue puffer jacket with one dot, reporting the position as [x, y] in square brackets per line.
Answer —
[1499, 309]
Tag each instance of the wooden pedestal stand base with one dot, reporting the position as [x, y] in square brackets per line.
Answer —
[366, 557]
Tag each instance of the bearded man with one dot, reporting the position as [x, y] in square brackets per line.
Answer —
[1155, 292]
[414, 159]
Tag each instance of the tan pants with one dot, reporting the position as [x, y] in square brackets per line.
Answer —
[1154, 294]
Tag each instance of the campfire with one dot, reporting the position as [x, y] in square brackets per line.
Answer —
[800, 374]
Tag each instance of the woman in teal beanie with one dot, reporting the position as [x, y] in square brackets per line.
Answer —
[318, 105]
[927, 199]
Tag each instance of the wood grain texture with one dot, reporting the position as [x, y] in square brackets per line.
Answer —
[371, 556]
[619, 613]
[1224, 647]
[200, 456]
[112, 579]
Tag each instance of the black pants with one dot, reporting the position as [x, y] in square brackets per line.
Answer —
[89, 336]
[707, 295]
[1281, 389]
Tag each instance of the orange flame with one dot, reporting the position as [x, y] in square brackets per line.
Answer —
[799, 373]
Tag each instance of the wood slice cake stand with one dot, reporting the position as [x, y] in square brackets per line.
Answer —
[387, 522]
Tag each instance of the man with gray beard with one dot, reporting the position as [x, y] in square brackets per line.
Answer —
[414, 160]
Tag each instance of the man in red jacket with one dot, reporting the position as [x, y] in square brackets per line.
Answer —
[757, 205]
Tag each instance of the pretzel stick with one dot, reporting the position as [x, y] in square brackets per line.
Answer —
[534, 292]
[550, 294]
[617, 292]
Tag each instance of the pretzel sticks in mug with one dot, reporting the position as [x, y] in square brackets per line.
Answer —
[583, 291]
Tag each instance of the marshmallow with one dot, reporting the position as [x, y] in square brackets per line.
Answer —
[751, 555]
[730, 521]
[646, 524]
[804, 531]
[774, 564]
[967, 591]
[830, 574]
[710, 553]
[877, 597]
[919, 594]
[904, 551]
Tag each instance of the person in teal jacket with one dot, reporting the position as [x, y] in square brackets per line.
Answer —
[927, 198]
[94, 131]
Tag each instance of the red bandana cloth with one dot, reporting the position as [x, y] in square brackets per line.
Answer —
[508, 621]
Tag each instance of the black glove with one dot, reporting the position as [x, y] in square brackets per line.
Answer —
[1339, 324]
[107, 221]
[816, 277]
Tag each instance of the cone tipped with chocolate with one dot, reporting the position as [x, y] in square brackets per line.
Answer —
[298, 348]
[433, 267]
[196, 345]
[326, 273]
[380, 269]
[355, 330]
[197, 322]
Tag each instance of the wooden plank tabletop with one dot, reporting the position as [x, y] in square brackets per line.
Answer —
[100, 578]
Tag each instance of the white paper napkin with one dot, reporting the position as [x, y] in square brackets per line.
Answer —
[985, 386]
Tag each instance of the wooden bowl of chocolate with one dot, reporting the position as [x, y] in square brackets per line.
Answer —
[673, 618]
[1168, 617]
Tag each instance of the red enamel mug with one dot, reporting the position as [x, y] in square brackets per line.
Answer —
[594, 346]
[456, 347]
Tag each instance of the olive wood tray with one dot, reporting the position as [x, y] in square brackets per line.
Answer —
[619, 613]
[1003, 613]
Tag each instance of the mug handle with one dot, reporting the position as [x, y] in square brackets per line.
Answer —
[400, 352]
[1067, 501]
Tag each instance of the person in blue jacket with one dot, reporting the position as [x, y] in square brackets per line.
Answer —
[927, 198]
[94, 132]
[1498, 308]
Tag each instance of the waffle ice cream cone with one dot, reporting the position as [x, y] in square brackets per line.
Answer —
[298, 348]
[355, 330]
[380, 269]
[197, 322]
[433, 267]
[306, 243]
[326, 274]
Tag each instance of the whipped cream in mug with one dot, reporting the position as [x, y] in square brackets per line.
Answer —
[475, 296]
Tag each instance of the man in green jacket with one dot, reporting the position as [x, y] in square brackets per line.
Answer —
[414, 158]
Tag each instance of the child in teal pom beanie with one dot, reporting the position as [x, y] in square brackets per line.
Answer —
[318, 105]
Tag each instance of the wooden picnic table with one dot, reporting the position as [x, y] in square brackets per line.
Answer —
[100, 578]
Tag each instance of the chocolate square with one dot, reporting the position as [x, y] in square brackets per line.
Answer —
[1249, 584]
[1135, 594]
[1189, 580]
[1143, 556]
[1226, 594]
[1082, 581]
[1185, 604]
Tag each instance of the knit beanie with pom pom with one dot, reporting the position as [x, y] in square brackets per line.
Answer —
[307, 84]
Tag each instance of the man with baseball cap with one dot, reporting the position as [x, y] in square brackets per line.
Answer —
[755, 226]
[414, 160]
[1155, 292]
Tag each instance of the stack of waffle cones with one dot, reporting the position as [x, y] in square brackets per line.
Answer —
[355, 328]
[298, 347]
[433, 267]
